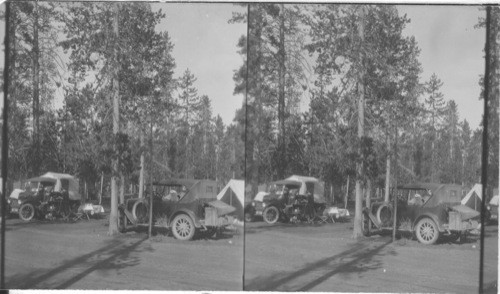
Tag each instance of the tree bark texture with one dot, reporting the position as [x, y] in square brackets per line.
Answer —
[281, 94]
[113, 217]
[357, 232]
[36, 93]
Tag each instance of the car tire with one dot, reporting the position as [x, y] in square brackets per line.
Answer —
[183, 227]
[271, 214]
[384, 215]
[140, 212]
[427, 231]
[26, 212]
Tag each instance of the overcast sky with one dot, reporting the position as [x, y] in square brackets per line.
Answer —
[205, 43]
[452, 49]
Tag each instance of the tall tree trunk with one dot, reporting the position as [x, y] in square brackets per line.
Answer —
[281, 95]
[357, 230]
[36, 93]
[141, 173]
[122, 188]
[102, 182]
[495, 30]
[253, 96]
[388, 169]
[346, 193]
[113, 217]
[369, 194]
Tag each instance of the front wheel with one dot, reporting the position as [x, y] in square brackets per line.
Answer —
[183, 227]
[26, 212]
[271, 214]
[427, 231]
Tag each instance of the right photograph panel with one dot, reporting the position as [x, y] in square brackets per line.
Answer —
[364, 128]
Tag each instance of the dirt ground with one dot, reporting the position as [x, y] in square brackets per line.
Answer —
[291, 257]
[283, 257]
[57, 255]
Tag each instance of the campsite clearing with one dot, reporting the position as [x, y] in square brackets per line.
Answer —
[58, 255]
[324, 258]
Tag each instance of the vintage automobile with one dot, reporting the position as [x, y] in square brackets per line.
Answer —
[46, 197]
[302, 186]
[287, 204]
[178, 206]
[428, 210]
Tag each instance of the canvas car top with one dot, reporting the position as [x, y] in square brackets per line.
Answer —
[441, 193]
[61, 181]
[42, 179]
[188, 183]
[287, 183]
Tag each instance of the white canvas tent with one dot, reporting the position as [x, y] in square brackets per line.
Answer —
[474, 197]
[494, 200]
[234, 194]
[66, 182]
[319, 187]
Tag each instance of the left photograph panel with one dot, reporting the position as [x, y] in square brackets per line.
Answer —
[125, 140]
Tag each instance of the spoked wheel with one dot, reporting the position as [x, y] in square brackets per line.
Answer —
[183, 227]
[271, 214]
[427, 231]
[26, 212]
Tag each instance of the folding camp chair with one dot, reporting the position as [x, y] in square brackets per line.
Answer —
[80, 216]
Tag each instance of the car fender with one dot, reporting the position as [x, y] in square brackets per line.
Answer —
[432, 216]
[190, 213]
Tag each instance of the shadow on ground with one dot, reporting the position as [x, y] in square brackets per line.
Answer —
[267, 227]
[358, 259]
[112, 256]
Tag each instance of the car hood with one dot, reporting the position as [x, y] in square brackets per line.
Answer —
[465, 211]
[221, 207]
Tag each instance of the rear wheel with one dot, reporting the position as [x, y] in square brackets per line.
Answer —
[26, 212]
[427, 231]
[183, 227]
[271, 214]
